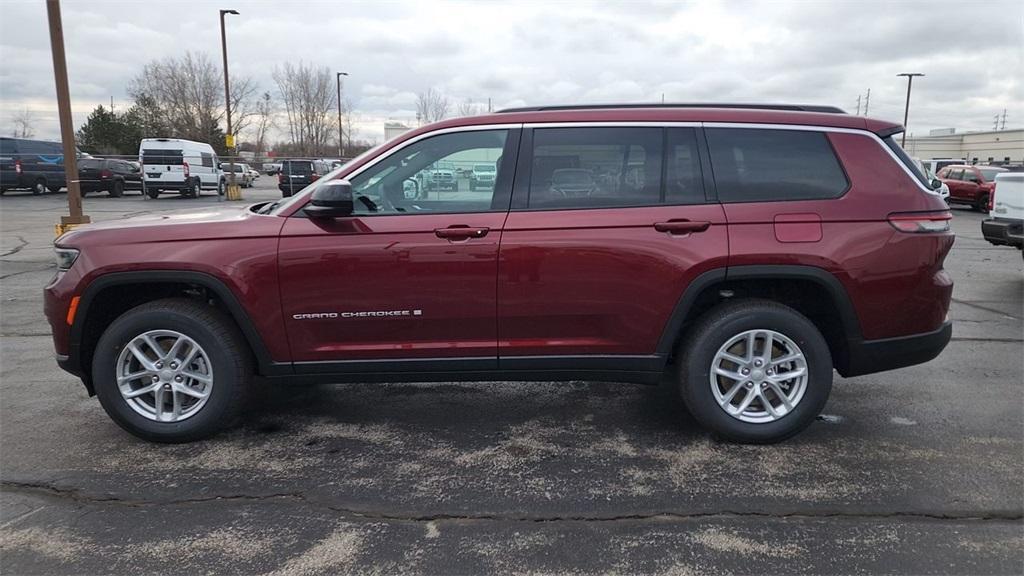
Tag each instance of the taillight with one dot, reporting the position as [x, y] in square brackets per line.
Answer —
[314, 176]
[106, 173]
[280, 177]
[17, 167]
[921, 222]
[992, 198]
[185, 164]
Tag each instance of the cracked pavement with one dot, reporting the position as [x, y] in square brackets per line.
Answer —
[919, 470]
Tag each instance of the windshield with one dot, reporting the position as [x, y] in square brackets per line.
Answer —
[990, 173]
[300, 198]
[484, 168]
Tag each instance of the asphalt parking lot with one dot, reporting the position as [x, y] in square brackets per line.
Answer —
[919, 470]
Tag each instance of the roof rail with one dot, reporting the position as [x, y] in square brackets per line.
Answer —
[790, 107]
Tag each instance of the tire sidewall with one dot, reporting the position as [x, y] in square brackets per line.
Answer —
[39, 187]
[225, 376]
[695, 373]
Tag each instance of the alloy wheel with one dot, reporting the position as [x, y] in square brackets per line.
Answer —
[164, 375]
[758, 376]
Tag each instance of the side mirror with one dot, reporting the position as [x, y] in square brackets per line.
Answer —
[331, 199]
[936, 183]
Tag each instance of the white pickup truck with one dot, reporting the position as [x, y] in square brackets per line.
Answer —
[1005, 224]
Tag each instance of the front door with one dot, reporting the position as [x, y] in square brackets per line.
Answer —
[609, 225]
[411, 274]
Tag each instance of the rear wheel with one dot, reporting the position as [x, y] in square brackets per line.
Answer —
[117, 189]
[153, 193]
[982, 204]
[172, 370]
[54, 189]
[755, 371]
[39, 187]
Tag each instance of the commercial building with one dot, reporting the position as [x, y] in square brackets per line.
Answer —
[989, 147]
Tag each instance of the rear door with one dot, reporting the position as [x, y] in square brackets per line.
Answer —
[402, 278]
[609, 226]
[163, 166]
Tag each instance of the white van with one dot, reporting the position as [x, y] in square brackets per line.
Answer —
[183, 166]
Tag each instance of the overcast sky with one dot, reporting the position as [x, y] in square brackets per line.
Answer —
[546, 52]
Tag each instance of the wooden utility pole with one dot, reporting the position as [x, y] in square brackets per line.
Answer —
[67, 128]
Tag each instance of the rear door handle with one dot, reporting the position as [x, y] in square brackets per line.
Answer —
[681, 226]
[461, 232]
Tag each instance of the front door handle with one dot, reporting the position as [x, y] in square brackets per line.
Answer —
[681, 226]
[461, 232]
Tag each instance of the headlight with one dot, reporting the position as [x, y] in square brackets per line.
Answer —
[65, 257]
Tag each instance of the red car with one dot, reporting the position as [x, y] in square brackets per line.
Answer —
[970, 184]
[745, 251]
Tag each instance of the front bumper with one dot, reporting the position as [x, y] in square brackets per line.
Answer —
[1003, 231]
[870, 356]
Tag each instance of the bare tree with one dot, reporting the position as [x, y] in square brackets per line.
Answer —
[469, 108]
[431, 106]
[24, 124]
[188, 92]
[308, 96]
[348, 128]
[263, 121]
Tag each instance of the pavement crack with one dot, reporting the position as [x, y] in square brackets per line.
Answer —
[986, 308]
[80, 497]
[24, 272]
[21, 244]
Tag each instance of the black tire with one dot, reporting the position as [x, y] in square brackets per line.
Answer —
[195, 189]
[220, 187]
[117, 189]
[153, 193]
[54, 189]
[82, 192]
[228, 353]
[702, 342]
[39, 186]
[982, 204]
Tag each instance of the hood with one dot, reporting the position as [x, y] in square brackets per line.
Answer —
[218, 221]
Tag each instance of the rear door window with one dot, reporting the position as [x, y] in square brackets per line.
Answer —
[162, 156]
[763, 165]
[595, 167]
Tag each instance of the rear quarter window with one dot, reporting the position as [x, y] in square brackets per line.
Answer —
[762, 165]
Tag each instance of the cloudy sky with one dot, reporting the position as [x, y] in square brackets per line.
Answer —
[519, 53]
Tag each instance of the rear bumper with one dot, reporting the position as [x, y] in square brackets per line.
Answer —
[1003, 231]
[870, 356]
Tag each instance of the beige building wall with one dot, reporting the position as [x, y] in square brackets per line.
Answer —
[1000, 147]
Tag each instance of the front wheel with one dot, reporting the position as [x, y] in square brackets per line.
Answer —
[172, 370]
[117, 189]
[755, 371]
[39, 187]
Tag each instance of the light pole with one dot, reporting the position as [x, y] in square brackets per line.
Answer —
[341, 135]
[906, 110]
[233, 193]
[67, 128]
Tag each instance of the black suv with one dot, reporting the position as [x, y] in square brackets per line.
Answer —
[34, 165]
[297, 174]
[108, 175]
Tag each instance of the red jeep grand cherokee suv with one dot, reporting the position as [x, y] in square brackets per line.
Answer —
[747, 251]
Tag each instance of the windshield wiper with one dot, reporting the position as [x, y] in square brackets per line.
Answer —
[269, 207]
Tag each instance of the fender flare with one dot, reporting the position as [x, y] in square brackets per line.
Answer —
[234, 308]
[839, 296]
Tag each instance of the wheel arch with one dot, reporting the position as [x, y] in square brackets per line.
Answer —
[801, 287]
[130, 289]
